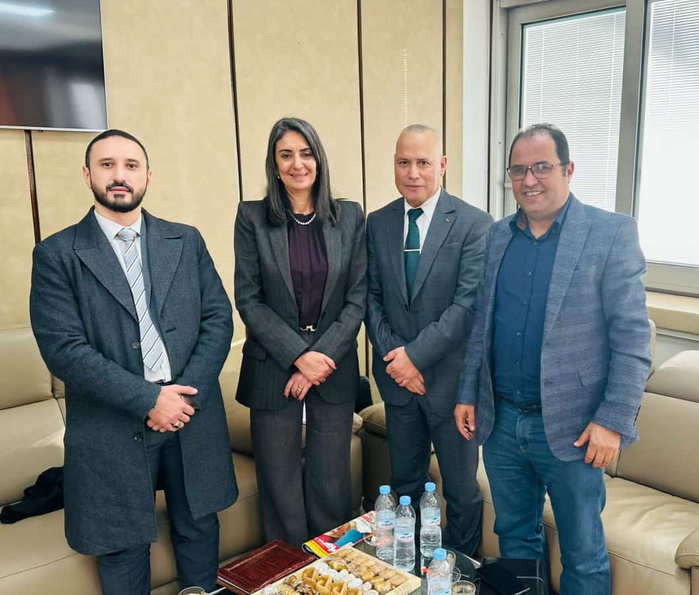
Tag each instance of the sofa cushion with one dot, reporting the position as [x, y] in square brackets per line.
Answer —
[644, 528]
[31, 440]
[669, 441]
[35, 558]
[677, 377]
[25, 378]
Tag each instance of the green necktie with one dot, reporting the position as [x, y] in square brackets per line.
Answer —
[411, 253]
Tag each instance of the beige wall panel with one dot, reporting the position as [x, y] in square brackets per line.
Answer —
[299, 59]
[454, 95]
[402, 71]
[61, 192]
[17, 230]
[306, 67]
[167, 69]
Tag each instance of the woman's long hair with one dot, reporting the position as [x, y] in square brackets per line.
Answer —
[278, 205]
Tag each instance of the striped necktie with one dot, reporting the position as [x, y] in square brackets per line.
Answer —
[411, 254]
[152, 348]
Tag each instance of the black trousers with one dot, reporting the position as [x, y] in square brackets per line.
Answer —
[195, 541]
[301, 501]
[411, 430]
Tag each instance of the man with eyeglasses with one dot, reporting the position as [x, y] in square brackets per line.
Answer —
[557, 360]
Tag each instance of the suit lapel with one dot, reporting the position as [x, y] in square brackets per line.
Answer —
[570, 246]
[394, 237]
[94, 250]
[279, 239]
[333, 249]
[442, 221]
[498, 243]
[164, 253]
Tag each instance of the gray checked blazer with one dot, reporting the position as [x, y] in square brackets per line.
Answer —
[595, 356]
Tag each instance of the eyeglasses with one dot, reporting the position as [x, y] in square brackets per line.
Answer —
[539, 170]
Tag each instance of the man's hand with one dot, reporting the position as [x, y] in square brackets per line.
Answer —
[603, 444]
[465, 416]
[297, 387]
[403, 371]
[172, 410]
[315, 366]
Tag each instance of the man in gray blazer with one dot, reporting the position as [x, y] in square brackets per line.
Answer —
[425, 261]
[130, 313]
[557, 360]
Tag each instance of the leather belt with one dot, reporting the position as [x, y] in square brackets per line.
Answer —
[523, 407]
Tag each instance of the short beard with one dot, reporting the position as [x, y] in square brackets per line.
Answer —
[118, 206]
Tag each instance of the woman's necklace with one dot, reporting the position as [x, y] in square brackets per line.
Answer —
[304, 223]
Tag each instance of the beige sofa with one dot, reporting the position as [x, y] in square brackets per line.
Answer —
[34, 556]
[652, 515]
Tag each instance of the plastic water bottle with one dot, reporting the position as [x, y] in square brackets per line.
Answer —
[430, 519]
[439, 574]
[404, 551]
[385, 509]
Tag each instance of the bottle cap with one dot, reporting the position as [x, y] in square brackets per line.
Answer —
[430, 486]
[404, 500]
[440, 554]
[384, 490]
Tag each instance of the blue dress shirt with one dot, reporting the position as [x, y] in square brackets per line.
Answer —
[520, 308]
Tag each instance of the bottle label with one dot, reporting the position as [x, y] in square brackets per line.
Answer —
[430, 516]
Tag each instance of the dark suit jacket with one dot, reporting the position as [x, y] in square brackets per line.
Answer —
[85, 323]
[264, 296]
[595, 355]
[434, 326]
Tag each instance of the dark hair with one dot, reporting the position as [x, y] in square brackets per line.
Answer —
[109, 133]
[559, 139]
[326, 207]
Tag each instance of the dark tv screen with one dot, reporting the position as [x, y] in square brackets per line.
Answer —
[51, 65]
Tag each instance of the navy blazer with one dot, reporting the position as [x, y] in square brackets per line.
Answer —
[595, 356]
[264, 296]
[434, 326]
[85, 323]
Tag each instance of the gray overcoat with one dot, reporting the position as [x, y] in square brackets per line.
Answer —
[85, 323]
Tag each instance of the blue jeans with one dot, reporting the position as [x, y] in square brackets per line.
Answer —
[521, 468]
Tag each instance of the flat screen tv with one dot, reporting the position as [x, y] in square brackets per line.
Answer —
[51, 65]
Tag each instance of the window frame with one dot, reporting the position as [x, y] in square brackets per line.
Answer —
[512, 16]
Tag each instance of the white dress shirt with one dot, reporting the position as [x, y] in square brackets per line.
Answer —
[424, 220]
[111, 229]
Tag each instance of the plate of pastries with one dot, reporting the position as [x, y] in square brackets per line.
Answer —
[347, 571]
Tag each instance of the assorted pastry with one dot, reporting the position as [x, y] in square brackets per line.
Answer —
[345, 572]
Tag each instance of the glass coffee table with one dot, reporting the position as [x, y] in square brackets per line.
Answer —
[464, 568]
[528, 571]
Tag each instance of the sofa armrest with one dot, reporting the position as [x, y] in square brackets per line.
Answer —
[374, 419]
[687, 554]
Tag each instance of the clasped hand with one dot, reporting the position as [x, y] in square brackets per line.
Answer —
[172, 409]
[315, 366]
[403, 371]
[297, 387]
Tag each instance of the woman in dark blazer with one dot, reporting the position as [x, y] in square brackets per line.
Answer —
[300, 288]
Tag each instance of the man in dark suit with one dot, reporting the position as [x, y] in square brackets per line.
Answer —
[425, 262]
[130, 313]
[557, 361]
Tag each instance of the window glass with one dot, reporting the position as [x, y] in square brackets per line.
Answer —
[571, 77]
[668, 199]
